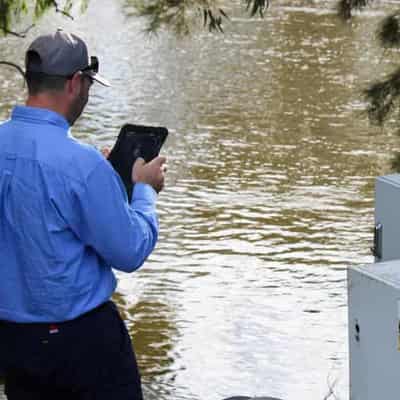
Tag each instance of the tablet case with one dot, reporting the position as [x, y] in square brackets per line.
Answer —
[135, 141]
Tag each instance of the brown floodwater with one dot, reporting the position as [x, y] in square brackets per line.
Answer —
[269, 196]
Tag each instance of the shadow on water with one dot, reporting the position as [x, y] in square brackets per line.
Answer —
[153, 333]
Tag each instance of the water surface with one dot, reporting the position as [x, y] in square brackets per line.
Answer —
[269, 195]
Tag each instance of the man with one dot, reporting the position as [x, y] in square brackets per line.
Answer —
[64, 222]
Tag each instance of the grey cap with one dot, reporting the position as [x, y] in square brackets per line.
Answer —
[61, 54]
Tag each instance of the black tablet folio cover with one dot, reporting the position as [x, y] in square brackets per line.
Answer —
[135, 141]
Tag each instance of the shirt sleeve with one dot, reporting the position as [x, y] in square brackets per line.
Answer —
[122, 234]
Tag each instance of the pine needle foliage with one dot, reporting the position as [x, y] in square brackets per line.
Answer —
[345, 7]
[213, 19]
[396, 162]
[164, 12]
[257, 7]
[384, 102]
[383, 98]
[389, 31]
[180, 15]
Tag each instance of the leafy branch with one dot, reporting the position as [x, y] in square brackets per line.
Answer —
[180, 15]
[389, 31]
[383, 97]
[18, 34]
[214, 22]
[11, 64]
[12, 11]
[257, 6]
[346, 7]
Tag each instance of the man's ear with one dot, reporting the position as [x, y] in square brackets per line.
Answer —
[74, 84]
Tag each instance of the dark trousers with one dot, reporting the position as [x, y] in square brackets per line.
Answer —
[89, 358]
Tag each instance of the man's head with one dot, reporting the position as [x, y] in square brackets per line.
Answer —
[58, 70]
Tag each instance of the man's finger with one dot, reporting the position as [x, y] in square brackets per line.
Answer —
[105, 151]
[139, 161]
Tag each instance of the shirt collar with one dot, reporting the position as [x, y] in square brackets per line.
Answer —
[39, 116]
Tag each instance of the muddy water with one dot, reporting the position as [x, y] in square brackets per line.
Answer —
[269, 195]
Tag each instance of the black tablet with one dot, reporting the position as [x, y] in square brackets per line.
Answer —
[135, 141]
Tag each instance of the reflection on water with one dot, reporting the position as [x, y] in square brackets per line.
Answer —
[150, 323]
[269, 195]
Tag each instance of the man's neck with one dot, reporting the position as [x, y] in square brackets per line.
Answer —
[48, 102]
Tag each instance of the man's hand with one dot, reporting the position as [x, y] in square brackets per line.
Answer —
[151, 173]
[105, 151]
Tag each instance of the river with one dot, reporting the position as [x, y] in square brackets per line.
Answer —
[269, 196]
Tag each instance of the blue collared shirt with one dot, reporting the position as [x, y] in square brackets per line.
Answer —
[64, 221]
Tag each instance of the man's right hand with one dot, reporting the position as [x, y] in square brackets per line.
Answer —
[151, 173]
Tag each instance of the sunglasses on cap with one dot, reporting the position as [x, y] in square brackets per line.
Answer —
[93, 66]
[92, 71]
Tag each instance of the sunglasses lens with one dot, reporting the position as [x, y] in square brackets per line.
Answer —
[94, 64]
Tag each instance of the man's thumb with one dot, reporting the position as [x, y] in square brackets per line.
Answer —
[160, 160]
